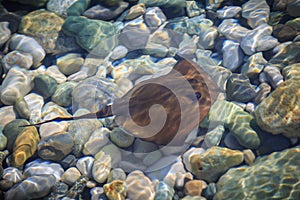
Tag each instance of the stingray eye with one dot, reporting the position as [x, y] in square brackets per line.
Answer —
[198, 95]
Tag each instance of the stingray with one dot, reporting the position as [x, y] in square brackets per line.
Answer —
[163, 108]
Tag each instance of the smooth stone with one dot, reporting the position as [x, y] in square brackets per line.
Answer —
[295, 23]
[115, 190]
[54, 72]
[68, 161]
[39, 167]
[214, 136]
[60, 7]
[44, 85]
[193, 198]
[254, 65]
[78, 7]
[274, 75]
[17, 58]
[85, 165]
[69, 63]
[239, 88]
[29, 45]
[232, 30]
[194, 187]
[135, 11]
[291, 71]
[120, 138]
[16, 85]
[3, 140]
[4, 33]
[35, 103]
[102, 166]
[256, 12]
[97, 140]
[280, 5]
[7, 114]
[116, 174]
[55, 147]
[194, 8]
[63, 94]
[32, 187]
[152, 158]
[154, 17]
[259, 39]
[44, 26]
[113, 152]
[249, 156]
[231, 142]
[186, 157]
[12, 174]
[119, 52]
[293, 8]
[207, 37]
[101, 12]
[232, 55]
[22, 108]
[284, 32]
[97, 193]
[228, 12]
[70, 176]
[139, 186]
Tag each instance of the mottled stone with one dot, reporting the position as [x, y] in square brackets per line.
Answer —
[105, 13]
[231, 29]
[63, 94]
[194, 8]
[32, 187]
[232, 55]
[77, 188]
[239, 88]
[85, 165]
[116, 174]
[136, 11]
[254, 65]
[97, 140]
[44, 26]
[60, 7]
[214, 162]
[4, 33]
[279, 181]
[77, 8]
[139, 186]
[284, 32]
[69, 63]
[115, 190]
[236, 120]
[120, 138]
[286, 55]
[154, 17]
[12, 174]
[7, 114]
[163, 191]
[194, 187]
[214, 136]
[16, 85]
[273, 75]
[228, 12]
[101, 167]
[29, 45]
[44, 85]
[158, 44]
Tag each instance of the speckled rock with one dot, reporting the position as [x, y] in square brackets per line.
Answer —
[194, 187]
[35, 103]
[17, 58]
[254, 65]
[4, 32]
[231, 29]
[69, 63]
[154, 17]
[232, 55]
[97, 140]
[239, 88]
[29, 45]
[120, 138]
[286, 54]
[284, 32]
[45, 30]
[32, 187]
[12, 174]
[77, 8]
[236, 120]
[256, 12]
[71, 175]
[44, 85]
[63, 94]
[228, 12]
[214, 162]
[115, 190]
[56, 147]
[77, 188]
[163, 191]
[246, 181]
[116, 174]
[25, 146]
[101, 167]
[105, 13]
[7, 114]
[16, 84]
[85, 165]
[60, 6]
[139, 186]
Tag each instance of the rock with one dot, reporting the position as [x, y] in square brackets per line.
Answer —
[12, 174]
[97, 193]
[154, 17]
[284, 32]
[59, 190]
[214, 136]
[151, 158]
[97, 140]
[231, 29]
[163, 191]
[232, 143]
[101, 167]
[139, 186]
[4, 33]
[228, 12]
[45, 85]
[70, 63]
[77, 188]
[105, 13]
[71, 175]
[99, 31]
[54, 72]
[44, 26]
[193, 198]
[35, 103]
[293, 8]
[295, 23]
[38, 3]
[3, 140]
[229, 186]
[254, 65]
[214, 162]
[136, 11]
[63, 94]
[291, 71]
[55, 147]
[159, 3]
[239, 88]
[207, 37]
[256, 12]
[273, 143]
[249, 156]
[39, 167]
[263, 91]
[194, 8]
[259, 39]
[28, 45]
[194, 187]
[232, 55]
[116, 174]
[286, 55]
[233, 117]
[32, 187]
[115, 190]
[186, 157]
[69, 161]
[120, 138]
[85, 165]
[25, 146]
[22, 108]
[141, 148]
[119, 52]
[273, 75]
[60, 7]
[7, 114]
[16, 85]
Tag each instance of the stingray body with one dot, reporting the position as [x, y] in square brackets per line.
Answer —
[185, 94]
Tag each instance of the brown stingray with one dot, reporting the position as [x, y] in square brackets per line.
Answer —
[183, 112]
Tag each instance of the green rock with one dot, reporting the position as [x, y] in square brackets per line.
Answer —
[116, 174]
[236, 120]
[63, 94]
[294, 23]
[22, 108]
[45, 85]
[276, 176]
[90, 33]
[163, 191]
[287, 55]
[37, 3]
[120, 138]
[77, 8]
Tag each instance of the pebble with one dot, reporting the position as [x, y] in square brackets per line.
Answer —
[163, 191]
[32, 187]
[151, 158]
[210, 191]
[256, 12]
[194, 187]
[293, 8]
[77, 188]
[263, 91]
[35, 103]
[207, 37]
[44, 85]
[119, 52]
[4, 33]
[22, 108]
[115, 190]
[97, 193]
[55, 147]
[29, 45]
[214, 136]
[60, 7]
[286, 54]
[70, 176]
[284, 32]
[249, 156]
[3, 140]
[154, 17]
[78, 7]
[16, 84]
[136, 11]
[232, 143]
[97, 140]
[17, 58]
[69, 161]
[54, 72]
[113, 152]
[63, 94]
[12, 174]
[85, 165]
[7, 114]
[69, 63]
[232, 30]
[120, 138]
[194, 8]
[273, 75]
[141, 148]
[101, 167]
[254, 65]
[139, 186]
[232, 55]
[116, 174]
[186, 157]
[228, 12]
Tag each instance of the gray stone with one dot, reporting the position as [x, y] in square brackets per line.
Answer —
[105, 13]
[274, 75]
[232, 55]
[256, 12]
[4, 32]
[228, 12]
[85, 165]
[231, 29]
[154, 17]
[44, 85]
[120, 138]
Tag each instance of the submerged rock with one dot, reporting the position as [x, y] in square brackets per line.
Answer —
[115, 190]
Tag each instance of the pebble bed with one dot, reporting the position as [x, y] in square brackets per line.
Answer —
[62, 58]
